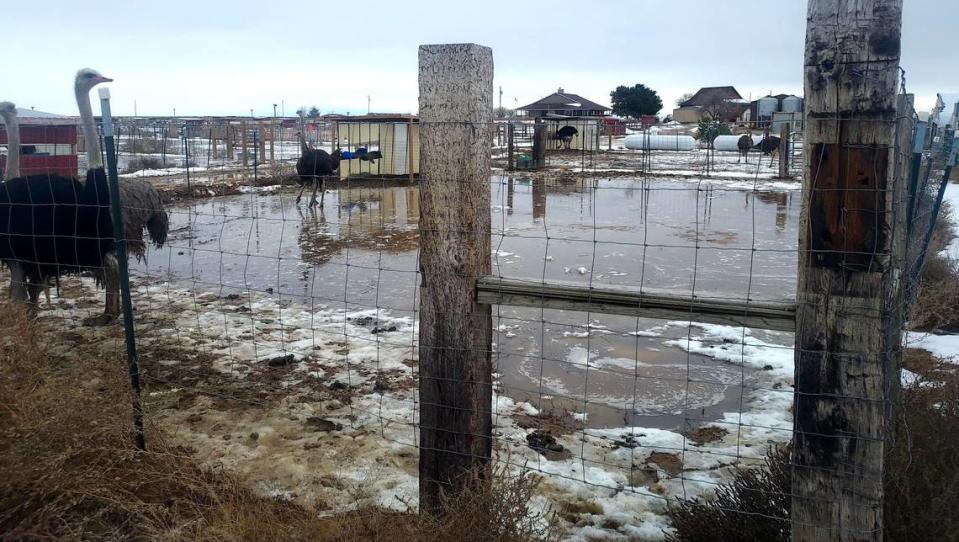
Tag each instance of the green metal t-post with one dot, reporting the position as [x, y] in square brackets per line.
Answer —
[133, 366]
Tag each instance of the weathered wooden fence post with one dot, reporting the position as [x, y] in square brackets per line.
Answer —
[509, 146]
[847, 280]
[455, 337]
[784, 154]
[539, 145]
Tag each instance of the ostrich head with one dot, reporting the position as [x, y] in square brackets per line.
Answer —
[87, 79]
[7, 110]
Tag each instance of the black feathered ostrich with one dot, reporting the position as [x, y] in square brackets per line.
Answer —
[770, 147]
[141, 206]
[313, 166]
[744, 143]
[51, 224]
[564, 136]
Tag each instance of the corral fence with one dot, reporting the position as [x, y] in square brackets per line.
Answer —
[626, 332]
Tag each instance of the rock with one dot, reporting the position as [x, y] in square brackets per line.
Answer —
[545, 443]
[337, 385]
[381, 385]
[379, 329]
[320, 424]
[254, 436]
[363, 320]
[281, 361]
[767, 367]
[628, 441]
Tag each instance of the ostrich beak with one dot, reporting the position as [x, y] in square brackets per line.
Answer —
[102, 79]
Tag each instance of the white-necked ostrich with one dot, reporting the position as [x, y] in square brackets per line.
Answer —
[313, 166]
[141, 205]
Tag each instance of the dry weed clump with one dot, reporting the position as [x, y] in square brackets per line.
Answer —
[70, 471]
[937, 302]
[920, 479]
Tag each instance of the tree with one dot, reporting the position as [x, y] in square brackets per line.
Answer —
[314, 112]
[683, 98]
[709, 129]
[504, 112]
[635, 101]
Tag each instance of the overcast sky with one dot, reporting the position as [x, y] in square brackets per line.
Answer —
[208, 57]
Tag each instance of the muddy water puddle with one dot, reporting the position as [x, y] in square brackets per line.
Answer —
[360, 251]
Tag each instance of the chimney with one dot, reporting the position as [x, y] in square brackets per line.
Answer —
[560, 90]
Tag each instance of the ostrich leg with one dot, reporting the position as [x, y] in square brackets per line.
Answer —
[110, 274]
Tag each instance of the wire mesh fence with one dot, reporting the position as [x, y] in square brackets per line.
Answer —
[641, 301]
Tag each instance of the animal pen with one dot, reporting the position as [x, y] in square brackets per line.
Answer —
[631, 325]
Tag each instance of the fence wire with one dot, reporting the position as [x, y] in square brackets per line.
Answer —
[281, 339]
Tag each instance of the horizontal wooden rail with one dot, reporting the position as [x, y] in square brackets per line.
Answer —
[779, 316]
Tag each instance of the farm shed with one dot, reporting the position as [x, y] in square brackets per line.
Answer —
[48, 143]
[564, 104]
[587, 132]
[397, 137]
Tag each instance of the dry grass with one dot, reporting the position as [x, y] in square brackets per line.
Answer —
[937, 303]
[70, 471]
[921, 475]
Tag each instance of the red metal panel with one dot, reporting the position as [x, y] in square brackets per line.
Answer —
[40, 164]
[39, 135]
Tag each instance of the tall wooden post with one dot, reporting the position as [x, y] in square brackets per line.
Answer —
[784, 155]
[261, 143]
[456, 109]
[246, 132]
[539, 145]
[844, 343]
[510, 164]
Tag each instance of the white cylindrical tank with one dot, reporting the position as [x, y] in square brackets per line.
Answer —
[656, 142]
[731, 142]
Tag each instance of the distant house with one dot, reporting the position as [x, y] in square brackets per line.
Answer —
[562, 104]
[761, 112]
[724, 103]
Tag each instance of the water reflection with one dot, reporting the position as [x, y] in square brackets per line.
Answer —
[359, 251]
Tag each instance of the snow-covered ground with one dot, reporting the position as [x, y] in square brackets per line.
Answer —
[319, 405]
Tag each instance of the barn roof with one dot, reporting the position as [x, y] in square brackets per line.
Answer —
[33, 117]
[565, 101]
[711, 96]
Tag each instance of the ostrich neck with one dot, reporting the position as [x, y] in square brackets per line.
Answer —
[304, 148]
[13, 148]
[90, 139]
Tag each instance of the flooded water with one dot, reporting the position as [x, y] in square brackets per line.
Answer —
[359, 252]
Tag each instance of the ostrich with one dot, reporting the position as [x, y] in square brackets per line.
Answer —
[565, 135]
[744, 143]
[70, 228]
[141, 205]
[8, 112]
[770, 147]
[313, 166]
